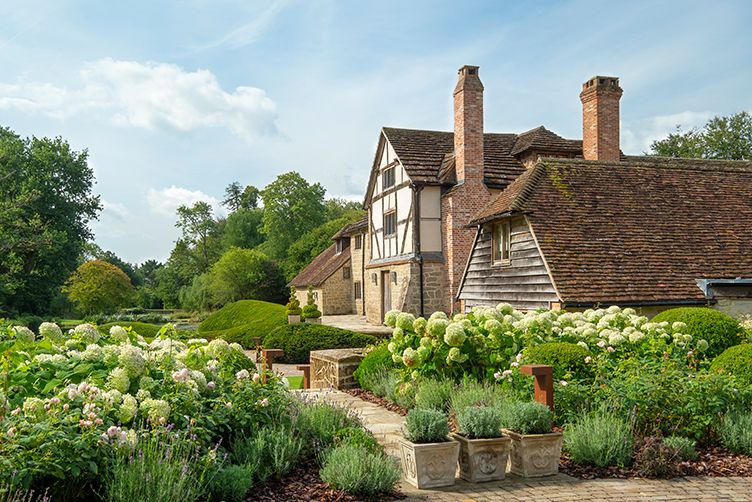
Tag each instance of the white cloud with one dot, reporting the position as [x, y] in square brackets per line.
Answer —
[248, 33]
[636, 137]
[167, 200]
[149, 96]
[115, 210]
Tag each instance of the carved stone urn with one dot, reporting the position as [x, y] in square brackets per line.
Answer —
[483, 459]
[429, 465]
[535, 455]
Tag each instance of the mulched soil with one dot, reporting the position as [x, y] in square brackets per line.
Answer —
[304, 483]
[369, 396]
[713, 461]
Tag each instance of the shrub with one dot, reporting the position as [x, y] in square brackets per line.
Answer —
[148, 331]
[601, 439]
[479, 422]
[298, 340]
[231, 483]
[713, 326]
[426, 426]
[358, 437]
[735, 430]
[311, 310]
[161, 466]
[321, 422]
[526, 417]
[472, 393]
[270, 452]
[736, 361]
[382, 382]
[241, 321]
[8, 493]
[434, 395]
[654, 458]
[376, 359]
[566, 358]
[293, 306]
[30, 321]
[685, 447]
[402, 394]
[359, 471]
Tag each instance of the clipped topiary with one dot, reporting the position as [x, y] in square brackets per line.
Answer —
[564, 357]
[293, 306]
[377, 359]
[298, 340]
[718, 329]
[737, 361]
[311, 310]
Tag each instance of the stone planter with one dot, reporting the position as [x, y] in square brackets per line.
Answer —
[313, 320]
[293, 319]
[535, 455]
[483, 459]
[429, 465]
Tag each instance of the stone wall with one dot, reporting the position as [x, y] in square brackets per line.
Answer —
[358, 271]
[334, 368]
[337, 293]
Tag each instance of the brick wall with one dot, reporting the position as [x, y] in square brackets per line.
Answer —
[356, 259]
[600, 118]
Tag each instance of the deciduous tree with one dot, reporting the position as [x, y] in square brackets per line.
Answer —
[721, 138]
[99, 286]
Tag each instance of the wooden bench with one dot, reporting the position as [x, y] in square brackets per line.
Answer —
[306, 369]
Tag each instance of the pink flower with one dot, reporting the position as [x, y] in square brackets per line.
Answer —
[211, 385]
[497, 375]
[515, 364]
[264, 402]
[588, 360]
[563, 383]
[611, 349]
[256, 377]
[16, 411]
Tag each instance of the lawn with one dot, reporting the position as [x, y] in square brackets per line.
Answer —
[243, 320]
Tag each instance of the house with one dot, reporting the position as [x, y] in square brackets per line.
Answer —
[610, 229]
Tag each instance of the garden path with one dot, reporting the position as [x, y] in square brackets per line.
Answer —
[386, 426]
[357, 323]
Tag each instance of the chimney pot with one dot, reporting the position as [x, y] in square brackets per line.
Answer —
[600, 118]
[468, 126]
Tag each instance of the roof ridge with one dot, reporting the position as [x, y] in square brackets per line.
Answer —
[659, 163]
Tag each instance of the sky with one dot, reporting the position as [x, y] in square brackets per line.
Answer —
[174, 100]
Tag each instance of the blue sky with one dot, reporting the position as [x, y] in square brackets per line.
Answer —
[175, 100]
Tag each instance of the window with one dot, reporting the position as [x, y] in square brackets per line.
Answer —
[501, 242]
[342, 244]
[390, 224]
[358, 241]
[358, 292]
[387, 178]
[345, 272]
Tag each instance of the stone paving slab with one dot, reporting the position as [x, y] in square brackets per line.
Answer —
[356, 323]
[387, 425]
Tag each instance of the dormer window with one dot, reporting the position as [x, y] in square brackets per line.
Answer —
[387, 178]
[502, 242]
[341, 245]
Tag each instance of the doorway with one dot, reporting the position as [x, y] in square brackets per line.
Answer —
[386, 293]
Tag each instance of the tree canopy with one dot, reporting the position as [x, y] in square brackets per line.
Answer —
[46, 205]
[720, 138]
[99, 286]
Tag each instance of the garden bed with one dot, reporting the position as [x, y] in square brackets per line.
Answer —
[367, 395]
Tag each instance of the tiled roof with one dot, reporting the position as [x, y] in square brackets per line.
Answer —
[642, 230]
[321, 268]
[427, 155]
[353, 228]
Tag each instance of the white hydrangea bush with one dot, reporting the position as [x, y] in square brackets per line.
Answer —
[489, 340]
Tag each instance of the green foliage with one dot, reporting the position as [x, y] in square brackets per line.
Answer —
[718, 329]
[735, 431]
[311, 310]
[199, 229]
[685, 447]
[293, 305]
[359, 471]
[321, 422]
[600, 438]
[231, 483]
[146, 330]
[472, 393]
[434, 395]
[526, 417]
[98, 286]
[241, 321]
[245, 274]
[654, 458]
[567, 359]
[238, 198]
[243, 229]
[725, 137]
[479, 422]
[270, 452]
[291, 207]
[376, 359]
[358, 437]
[161, 466]
[298, 340]
[46, 206]
[426, 426]
[382, 382]
[402, 394]
[736, 361]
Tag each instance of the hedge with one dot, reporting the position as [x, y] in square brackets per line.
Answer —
[243, 320]
[737, 361]
[718, 329]
[298, 340]
[376, 360]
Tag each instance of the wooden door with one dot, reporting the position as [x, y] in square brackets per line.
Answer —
[386, 293]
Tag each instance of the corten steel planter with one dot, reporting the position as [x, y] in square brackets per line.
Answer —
[313, 320]
[483, 459]
[293, 319]
[429, 465]
[535, 455]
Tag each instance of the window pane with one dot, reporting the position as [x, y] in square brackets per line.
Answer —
[507, 241]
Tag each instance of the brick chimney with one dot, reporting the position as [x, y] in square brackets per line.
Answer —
[468, 126]
[600, 118]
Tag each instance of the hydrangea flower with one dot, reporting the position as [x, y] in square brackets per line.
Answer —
[438, 315]
[118, 334]
[51, 332]
[679, 326]
[33, 407]
[181, 375]
[405, 321]
[702, 345]
[455, 335]
[128, 409]
[437, 326]
[390, 318]
[218, 348]
[409, 357]
[110, 355]
[132, 359]
[392, 347]
[419, 325]
[456, 356]
[93, 353]
[24, 334]
[86, 333]
[424, 353]
[118, 380]
[155, 408]
[242, 375]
